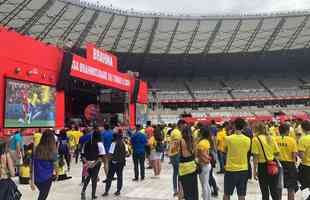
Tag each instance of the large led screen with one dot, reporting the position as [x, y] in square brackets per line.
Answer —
[29, 105]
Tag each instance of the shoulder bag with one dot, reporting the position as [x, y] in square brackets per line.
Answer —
[272, 165]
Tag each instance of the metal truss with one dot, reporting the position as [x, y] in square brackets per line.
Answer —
[86, 30]
[36, 17]
[212, 37]
[192, 39]
[105, 31]
[172, 37]
[6, 20]
[75, 21]
[136, 35]
[233, 37]
[119, 35]
[295, 35]
[152, 35]
[52, 23]
[274, 35]
[253, 36]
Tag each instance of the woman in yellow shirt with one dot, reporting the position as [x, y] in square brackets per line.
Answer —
[157, 149]
[263, 142]
[203, 148]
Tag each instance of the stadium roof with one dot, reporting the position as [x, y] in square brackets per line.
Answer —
[75, 22]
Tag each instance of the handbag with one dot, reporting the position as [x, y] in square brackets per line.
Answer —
[272, 165]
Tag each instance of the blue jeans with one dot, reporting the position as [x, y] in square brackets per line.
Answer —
[175, 160]
[222, 160]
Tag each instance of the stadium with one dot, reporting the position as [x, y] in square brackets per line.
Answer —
[105, 70]
[232, 65]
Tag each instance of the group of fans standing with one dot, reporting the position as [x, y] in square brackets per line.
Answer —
[278, 156]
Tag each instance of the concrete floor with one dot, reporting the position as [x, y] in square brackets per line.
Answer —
[150, 189]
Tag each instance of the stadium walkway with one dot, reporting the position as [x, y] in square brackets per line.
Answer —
[150, 189]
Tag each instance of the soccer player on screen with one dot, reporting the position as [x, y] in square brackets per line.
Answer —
[25, 106]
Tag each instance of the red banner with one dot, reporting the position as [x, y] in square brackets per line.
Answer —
[143, 93]
[101, 56]
[85, 70]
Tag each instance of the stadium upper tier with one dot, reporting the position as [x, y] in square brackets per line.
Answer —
[229, 88]
[71, 23]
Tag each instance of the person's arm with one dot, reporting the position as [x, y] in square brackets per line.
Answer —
[255, 165]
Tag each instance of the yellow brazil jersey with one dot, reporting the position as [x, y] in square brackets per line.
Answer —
[274, 131]
[270, 149]
[76, 136]
[287, 146]
[304, 146]
[70, 135]
[196, 134]
[37, 138]
[24, 171]
[203, 145]
[152, 143]
[220, 137]
[34, 100]
[175, 138]
[237, 158]
[45, 94]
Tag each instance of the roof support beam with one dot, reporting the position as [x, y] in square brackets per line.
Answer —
[295, 35]
[151, 38]
[192, 39]
[212, 37]
[86, 30]
[149, 44]
[36, 17]
[253, 36]
[135, 37]
[172, 37]
[274, 35]
[105, 31]
[75, 21]
[6, 20]
[52, 23]
[119, 35]
[232, 37]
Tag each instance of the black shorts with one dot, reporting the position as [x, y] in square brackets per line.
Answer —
[290, 175]
[237, 180]
[24, 180]
[304, 176]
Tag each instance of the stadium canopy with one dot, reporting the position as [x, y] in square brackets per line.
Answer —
[75, 23]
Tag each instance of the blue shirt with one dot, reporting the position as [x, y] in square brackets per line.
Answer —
[138, 142]
[107, 137]
[43, 170]
[15, 139]
[213, 130]
[85, 138]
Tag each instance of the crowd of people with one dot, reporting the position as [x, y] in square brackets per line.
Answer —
[275, 154]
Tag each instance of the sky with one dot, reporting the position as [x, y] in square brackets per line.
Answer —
[210, 7]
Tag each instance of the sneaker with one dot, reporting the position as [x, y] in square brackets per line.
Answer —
[142, 179]
[215, 194]
[105, 194]
[175, 194]
[117, 193]
[220, 172]
[94, 197]
[135, 179]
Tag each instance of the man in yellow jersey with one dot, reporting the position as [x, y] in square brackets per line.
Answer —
[220, 138]
[236, 168]
[33, 102]
[304, 152]
[175, 138]
[288, 155]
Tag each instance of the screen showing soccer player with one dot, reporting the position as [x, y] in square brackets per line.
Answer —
[29, 105]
